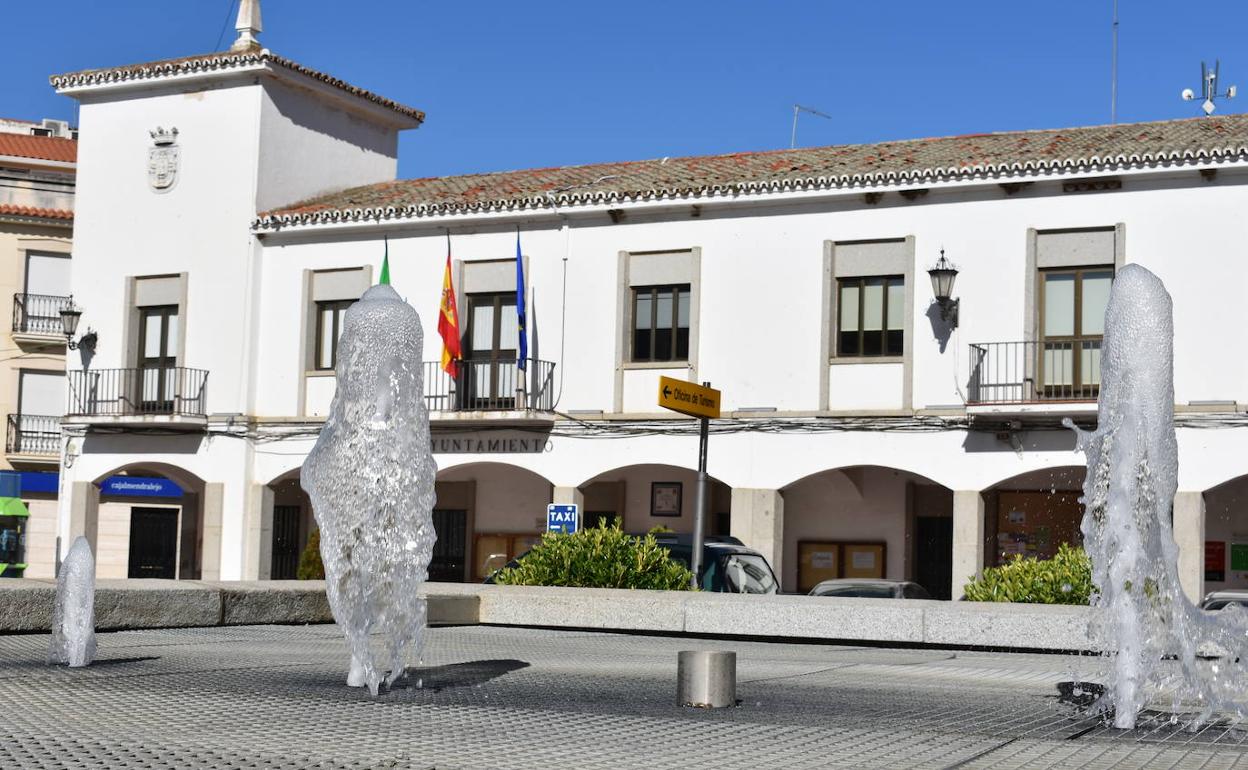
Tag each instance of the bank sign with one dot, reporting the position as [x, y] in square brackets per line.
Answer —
[563, 519]
[139, 486]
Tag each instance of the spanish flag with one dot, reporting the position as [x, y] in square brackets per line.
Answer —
[448, 320]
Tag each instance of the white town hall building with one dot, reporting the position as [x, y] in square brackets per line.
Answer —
[230, 206]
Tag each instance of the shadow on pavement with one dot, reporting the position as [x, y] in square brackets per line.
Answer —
[468, 674]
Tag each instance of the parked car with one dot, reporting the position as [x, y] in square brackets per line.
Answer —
[1216, 600]
[870, 589]
[728, 565]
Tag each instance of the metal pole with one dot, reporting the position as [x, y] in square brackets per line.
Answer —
[700, 501]
[793, 137]
[1113, 90]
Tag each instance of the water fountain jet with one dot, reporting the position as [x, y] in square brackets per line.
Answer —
[1143, 617]
[370, 478]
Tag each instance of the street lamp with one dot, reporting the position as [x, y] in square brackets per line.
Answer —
[943, 276]
[70, 315]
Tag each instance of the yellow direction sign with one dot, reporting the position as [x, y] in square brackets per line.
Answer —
[688, 398]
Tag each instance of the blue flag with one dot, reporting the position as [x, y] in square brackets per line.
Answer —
[520, 310]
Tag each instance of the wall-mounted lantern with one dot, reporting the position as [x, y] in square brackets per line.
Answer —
[70, 315]
[943, 276]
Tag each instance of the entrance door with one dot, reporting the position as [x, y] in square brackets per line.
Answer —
[158, 355]
[286, 544]
[934, 554]
[490, 366]
[450, 553]
[153, 543]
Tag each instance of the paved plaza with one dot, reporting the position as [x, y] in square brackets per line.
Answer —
[274, 697]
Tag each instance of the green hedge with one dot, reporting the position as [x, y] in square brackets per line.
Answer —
[602, 557]
[310, 566]
[1064, 579]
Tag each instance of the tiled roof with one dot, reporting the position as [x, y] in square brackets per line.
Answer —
[39, 147]
[1011, 154]
[12, 210]
[219, 62]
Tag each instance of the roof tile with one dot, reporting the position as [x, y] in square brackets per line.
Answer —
[39, 147]
[13, 210]
[1088, 149]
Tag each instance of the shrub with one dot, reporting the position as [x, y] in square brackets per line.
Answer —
[310, 565]
[601, 557]
[1064, 579]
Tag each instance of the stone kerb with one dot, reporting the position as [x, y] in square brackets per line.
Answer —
[26, 605]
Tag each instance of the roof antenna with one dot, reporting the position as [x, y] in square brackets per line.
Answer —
[1113, 75]
[248, 25]
[1209, 88]
[800, 108]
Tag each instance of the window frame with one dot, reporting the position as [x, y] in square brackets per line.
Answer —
[340, 307]
[654, 292]
[861, 283]
[1078, 338]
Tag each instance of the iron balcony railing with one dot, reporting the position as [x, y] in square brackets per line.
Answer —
[39, 313]
[33, 434]
[168, 390]
[1033, 372]
[490, 386]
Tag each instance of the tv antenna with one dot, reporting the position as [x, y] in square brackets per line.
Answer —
[1209, 88]
[798, 108]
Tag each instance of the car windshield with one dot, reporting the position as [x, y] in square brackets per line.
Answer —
[1217, 604]
[748, 574]
[857, 591]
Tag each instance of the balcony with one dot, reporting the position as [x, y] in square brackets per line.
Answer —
[169, 397]
[484, 389]
[37, 317]
[1054, 377]
[35, 436]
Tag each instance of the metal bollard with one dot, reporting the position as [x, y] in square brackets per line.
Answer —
[706, 679]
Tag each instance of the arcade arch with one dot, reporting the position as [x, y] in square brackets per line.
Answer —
[153, 520]
[867, 521]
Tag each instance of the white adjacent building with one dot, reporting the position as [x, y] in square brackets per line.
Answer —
[230, 206]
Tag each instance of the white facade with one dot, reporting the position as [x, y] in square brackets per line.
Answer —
[815, 447]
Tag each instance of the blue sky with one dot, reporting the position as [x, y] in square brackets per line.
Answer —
[530, 84]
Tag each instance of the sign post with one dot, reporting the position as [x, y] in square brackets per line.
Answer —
[564, 519]
[701, 401]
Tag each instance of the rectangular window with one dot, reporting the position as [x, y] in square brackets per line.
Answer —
[1072, 322]
[871, 319]
[328, 330]
[661, 323]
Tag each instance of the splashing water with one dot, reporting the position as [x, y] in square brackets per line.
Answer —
[370, 477]
[1143, 615]
[73, 614]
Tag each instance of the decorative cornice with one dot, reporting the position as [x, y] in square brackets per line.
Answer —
[219, 62]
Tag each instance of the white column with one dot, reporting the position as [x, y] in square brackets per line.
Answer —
[568, 496]
[84, 512]
[968, 538]
[212, 506]
[758, 521]
[258, 533]
[1189, 535]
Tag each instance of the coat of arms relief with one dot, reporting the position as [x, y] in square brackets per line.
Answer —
[162, 159]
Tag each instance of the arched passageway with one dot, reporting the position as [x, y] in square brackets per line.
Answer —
[642, 497]
[486, 514]
[1225, 557]
[154, 521]
[291, 525]
[1033, 513]
[867, 522]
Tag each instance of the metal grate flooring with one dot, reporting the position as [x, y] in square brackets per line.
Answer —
[274, 697]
